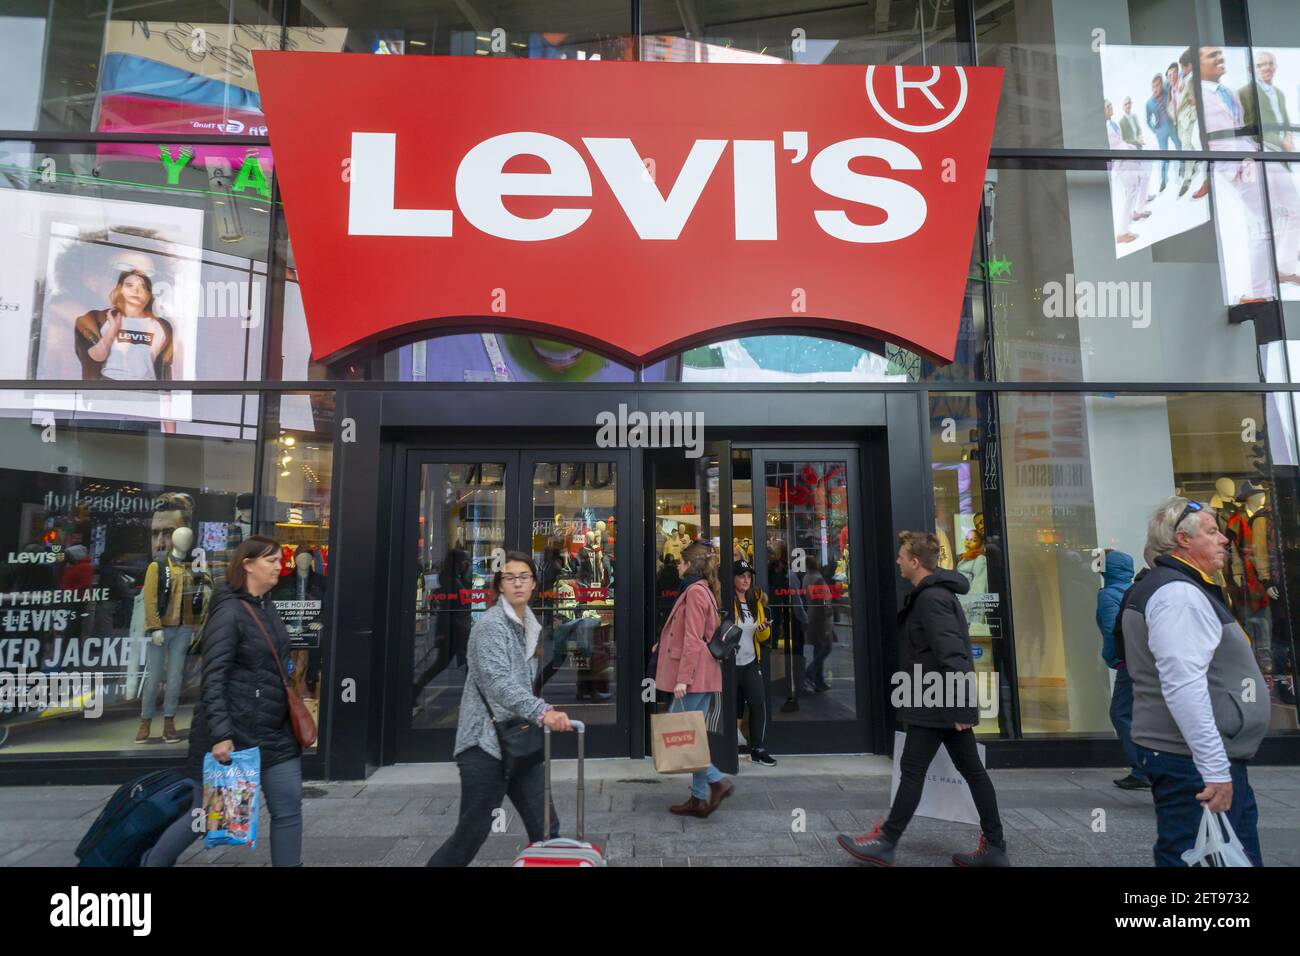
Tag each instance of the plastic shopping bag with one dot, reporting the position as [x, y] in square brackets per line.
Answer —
[1211, 848]
[230, 797]
[946, 795]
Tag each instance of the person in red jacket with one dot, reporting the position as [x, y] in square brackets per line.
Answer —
[686, 665]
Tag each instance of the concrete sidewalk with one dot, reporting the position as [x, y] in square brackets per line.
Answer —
[402, 814]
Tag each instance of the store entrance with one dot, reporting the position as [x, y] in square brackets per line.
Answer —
[797, 517]
[462, 510]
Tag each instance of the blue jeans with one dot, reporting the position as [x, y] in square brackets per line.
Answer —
[176, 642]
[1165, 133]
[1175, 783]
[701, 779]
[1121, 717]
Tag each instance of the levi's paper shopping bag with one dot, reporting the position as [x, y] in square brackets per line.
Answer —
[230, 798]
[947, 794]
[679, 741]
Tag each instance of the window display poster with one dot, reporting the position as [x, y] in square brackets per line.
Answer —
[100, 289]
[1146, 109]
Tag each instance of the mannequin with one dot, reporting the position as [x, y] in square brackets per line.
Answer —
[1259, 616]
[242, 526]
[592, 567]
[303, 591]
[175, 603]
[1234, 523]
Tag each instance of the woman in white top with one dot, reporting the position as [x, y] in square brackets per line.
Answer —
[127, 342]
[750, 612]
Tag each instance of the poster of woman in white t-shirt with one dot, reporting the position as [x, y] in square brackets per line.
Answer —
[127, 342]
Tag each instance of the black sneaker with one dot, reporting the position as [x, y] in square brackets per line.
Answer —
[871, 847]
[1133, 782]
[986, 854]
[762, 757]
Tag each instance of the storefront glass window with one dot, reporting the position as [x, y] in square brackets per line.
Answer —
[793, 32]
[137, 263]
[1064, 59]
[598, 30]
[1082, 474]
[122, 508]
[159, 68]
[967, 525]
[295, 510]
[1108, 274]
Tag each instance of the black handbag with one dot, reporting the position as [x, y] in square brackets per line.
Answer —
[521, 740]
[726, 639]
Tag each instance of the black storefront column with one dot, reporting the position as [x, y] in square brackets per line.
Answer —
[354, 691]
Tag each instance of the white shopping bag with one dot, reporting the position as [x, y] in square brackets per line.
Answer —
[1216, 843]
[946, 795]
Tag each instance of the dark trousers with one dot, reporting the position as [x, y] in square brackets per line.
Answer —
[751, 689]
[483, 785]
[921, 746]
[1121, 718]
[1175, 783]
[816, 671]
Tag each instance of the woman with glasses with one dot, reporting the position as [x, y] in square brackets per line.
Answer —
[498, 687]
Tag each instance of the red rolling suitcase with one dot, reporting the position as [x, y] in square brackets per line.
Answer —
[562, 851]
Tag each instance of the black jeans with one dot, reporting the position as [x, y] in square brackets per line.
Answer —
[921, 746]
[483, 785]
[751, 689]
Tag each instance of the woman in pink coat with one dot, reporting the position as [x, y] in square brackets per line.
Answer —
[686, 665]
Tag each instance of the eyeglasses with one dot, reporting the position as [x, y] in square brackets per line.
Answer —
[516, 578]
[1191, 509]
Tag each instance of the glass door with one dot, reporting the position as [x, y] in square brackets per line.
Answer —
[457, 525]
[692, 501]
[573, 505]
[463, 511]
[807, 527]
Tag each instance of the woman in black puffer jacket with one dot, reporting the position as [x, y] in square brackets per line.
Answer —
[243, 702]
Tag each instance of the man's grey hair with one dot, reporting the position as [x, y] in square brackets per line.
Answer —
[1161, 530]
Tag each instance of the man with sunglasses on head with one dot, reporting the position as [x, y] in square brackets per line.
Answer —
[1200, 705]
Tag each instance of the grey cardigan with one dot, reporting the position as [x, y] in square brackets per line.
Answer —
[498, 665]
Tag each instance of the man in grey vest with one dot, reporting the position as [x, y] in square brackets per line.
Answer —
[1200, 705]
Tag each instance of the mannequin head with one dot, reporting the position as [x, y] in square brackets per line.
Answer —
[182, 541]
[244, 509]
[1227, 489]
[1256, 501]
[592, 540]
[304, 560]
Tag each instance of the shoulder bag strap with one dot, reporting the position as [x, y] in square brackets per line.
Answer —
[269, 643]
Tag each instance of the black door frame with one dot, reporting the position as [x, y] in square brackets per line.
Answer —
[357, 727]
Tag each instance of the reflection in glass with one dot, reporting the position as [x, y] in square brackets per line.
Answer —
[120, 532]
[574, 506]
[806, 520]
[1065, 499]
[462, 520]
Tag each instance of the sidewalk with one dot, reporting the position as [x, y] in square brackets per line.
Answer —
[402, 814]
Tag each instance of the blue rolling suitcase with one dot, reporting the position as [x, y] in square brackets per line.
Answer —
[135, 817]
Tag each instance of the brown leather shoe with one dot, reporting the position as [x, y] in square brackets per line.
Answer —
[170, 736]
[693, 807]
[720, 791]
[142, 735]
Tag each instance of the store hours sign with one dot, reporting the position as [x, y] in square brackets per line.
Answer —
[637, 208]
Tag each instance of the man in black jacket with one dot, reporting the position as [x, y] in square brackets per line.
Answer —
[935, 648]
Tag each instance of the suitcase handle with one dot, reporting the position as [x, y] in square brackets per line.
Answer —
[581, 728]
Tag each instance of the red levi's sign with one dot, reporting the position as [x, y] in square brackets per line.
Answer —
[636, 208]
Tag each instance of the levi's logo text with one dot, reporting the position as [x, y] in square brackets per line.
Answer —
[637, 208]
[128, 337]
[681, 738]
